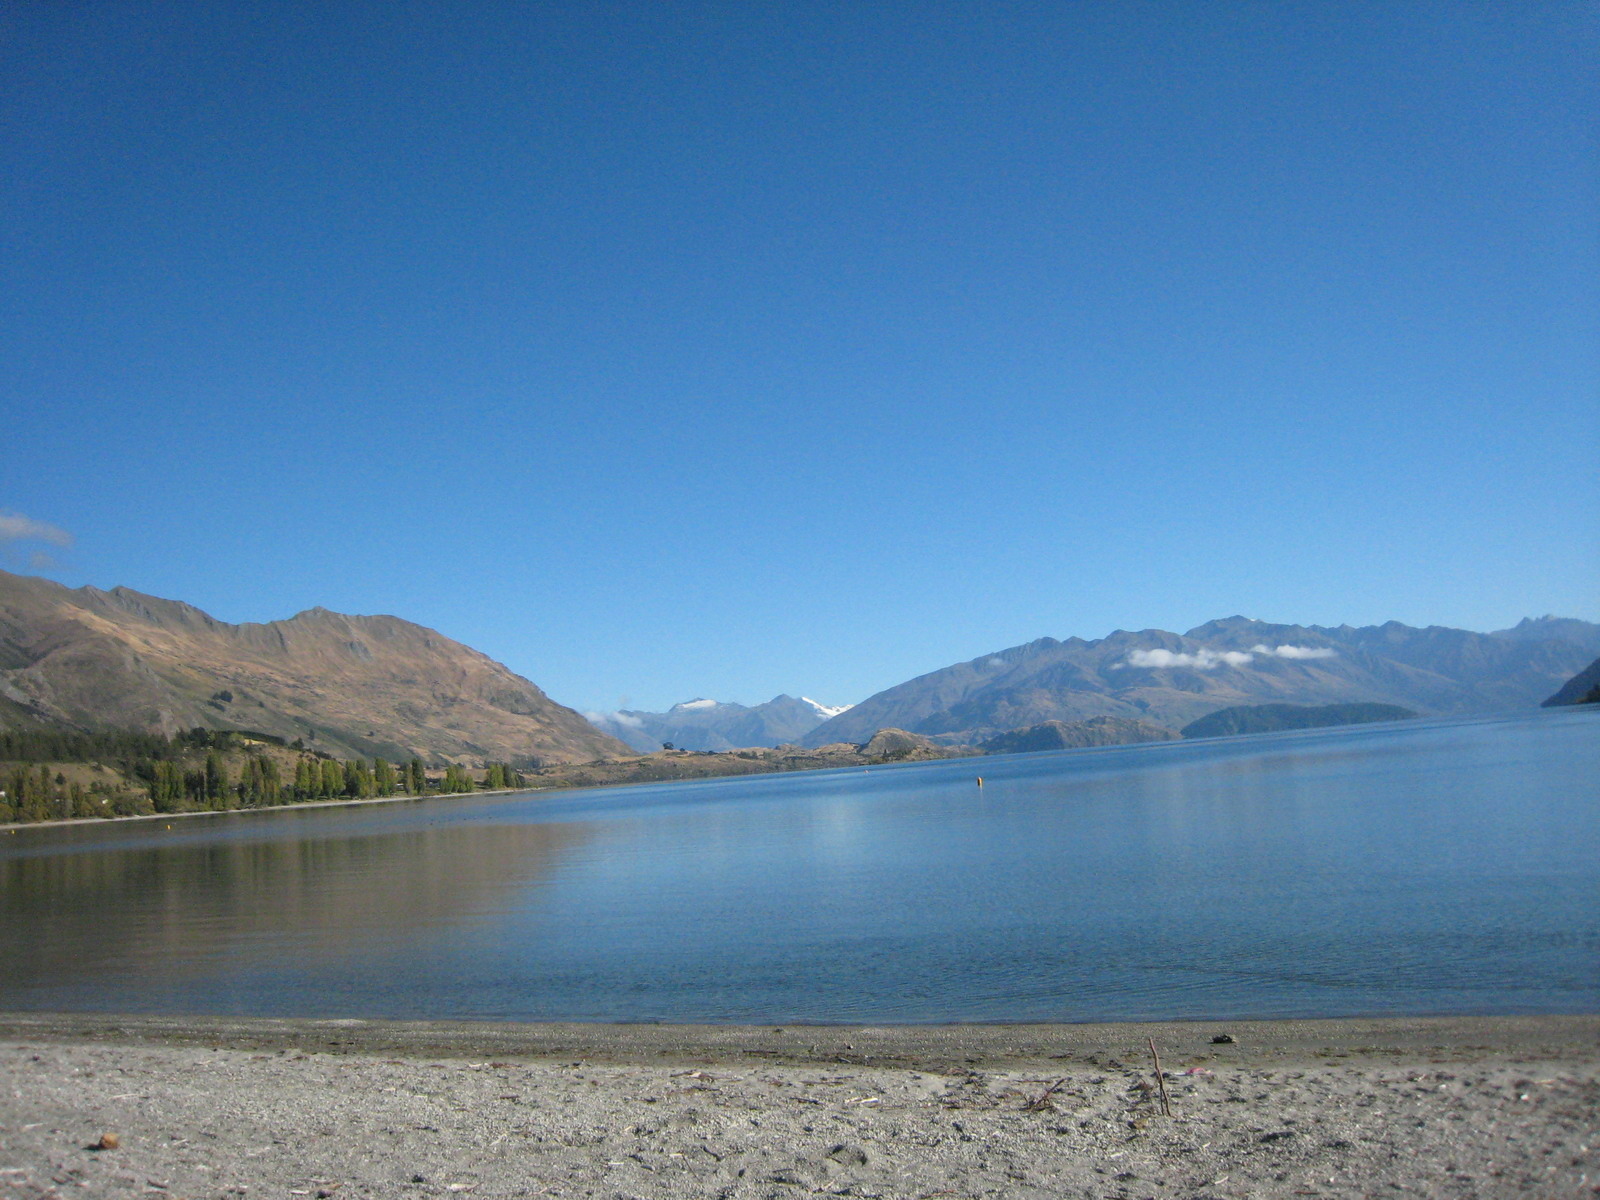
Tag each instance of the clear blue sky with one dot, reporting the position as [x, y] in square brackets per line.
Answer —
[666, 349]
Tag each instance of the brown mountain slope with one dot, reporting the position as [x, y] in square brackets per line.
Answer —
[347, 685]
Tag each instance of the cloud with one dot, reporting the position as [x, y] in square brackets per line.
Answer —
[14, 527]
[1200, 660]
[1295, 651]
[1210, 660]
[613, 718]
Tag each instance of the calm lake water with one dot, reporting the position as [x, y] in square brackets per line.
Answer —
[1443, 867]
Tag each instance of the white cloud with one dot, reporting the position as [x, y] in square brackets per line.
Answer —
[603, 719]
[1206, 659]
[1296, 651]
[14, 527]
[1200, 660]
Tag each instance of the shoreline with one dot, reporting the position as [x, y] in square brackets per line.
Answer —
[927, 1047]
[350, 802]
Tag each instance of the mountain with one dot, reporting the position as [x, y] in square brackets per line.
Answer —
[1548, 628]
[713, 725]
[1061, 735]
[1582, 688]
[1269, 718]
[347, 685]
[1173, 679]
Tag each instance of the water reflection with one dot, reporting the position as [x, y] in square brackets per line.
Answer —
[1452, 867]
[176, 909]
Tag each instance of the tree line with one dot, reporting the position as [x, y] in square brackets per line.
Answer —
[168, 775]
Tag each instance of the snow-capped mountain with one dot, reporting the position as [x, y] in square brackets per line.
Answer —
[702, 724]
[825, 711]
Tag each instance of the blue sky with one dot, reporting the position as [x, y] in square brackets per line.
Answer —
[663, 350]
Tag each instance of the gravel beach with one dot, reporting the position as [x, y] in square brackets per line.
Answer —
[220, 1107]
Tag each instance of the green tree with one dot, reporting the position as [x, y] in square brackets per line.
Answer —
[216, 781]
[358, 781]
[457, 779]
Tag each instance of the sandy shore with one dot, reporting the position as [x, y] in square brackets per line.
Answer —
[232, 1107]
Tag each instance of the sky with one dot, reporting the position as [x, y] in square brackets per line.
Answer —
[672, 350]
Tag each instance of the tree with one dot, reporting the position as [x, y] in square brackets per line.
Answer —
[216, 780]
[456, 779]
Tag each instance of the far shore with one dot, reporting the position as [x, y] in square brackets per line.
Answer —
[531, 789]
[343, 802]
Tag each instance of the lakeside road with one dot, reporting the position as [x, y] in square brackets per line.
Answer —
[228, 1107]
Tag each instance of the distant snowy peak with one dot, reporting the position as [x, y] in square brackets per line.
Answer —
[702, 724]
[826, 711]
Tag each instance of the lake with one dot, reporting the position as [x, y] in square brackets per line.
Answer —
[1445, 867]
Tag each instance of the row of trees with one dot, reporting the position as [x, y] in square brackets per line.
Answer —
[174, 788]
[169, 776]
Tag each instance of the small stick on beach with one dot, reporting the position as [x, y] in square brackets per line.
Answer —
[1160, 1082]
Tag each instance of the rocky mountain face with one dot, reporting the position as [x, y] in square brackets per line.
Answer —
[1582, 688]
[347, 685]
[1172, 679]
[713, 725]
[1548, 628]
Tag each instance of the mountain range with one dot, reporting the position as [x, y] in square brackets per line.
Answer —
[1171, 679]
[88, 659]
[714, 725]
[349, 686]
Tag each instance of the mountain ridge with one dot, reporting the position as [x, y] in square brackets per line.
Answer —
[1173, 679]
[348, 685]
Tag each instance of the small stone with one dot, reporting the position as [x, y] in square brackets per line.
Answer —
[1222, 1039]
[108, 1141]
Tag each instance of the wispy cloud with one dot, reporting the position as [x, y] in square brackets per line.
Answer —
[1210, 660]
[603, 719]
[1295, 651]
[1200, 660]
[14, 527]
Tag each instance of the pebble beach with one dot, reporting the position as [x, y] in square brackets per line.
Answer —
[219, 1107]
